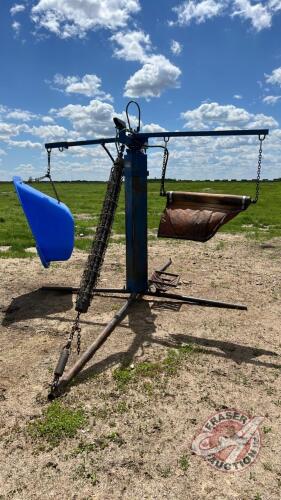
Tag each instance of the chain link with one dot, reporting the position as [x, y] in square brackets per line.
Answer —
[95, 259]
[47, 175]
[76, 329]
[78, 345]
[166, 158]
[261, 139]
[164, 168]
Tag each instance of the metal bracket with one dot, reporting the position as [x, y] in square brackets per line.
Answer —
[163, 281]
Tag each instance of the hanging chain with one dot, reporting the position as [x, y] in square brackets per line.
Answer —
[76, 329]
[164, 168]
[100, 242]
[47, 175]
[261, 139]
[93, 266]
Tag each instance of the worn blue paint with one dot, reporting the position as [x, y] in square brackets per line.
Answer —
[136, 220]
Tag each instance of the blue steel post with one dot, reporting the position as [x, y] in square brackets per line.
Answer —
[136, 220]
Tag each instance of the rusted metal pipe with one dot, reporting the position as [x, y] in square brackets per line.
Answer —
[88, 354]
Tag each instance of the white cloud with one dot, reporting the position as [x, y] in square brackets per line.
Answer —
[199, 11]
[25, 168]
[16, 27]
[72, 18]
[49, 132]
[157, 72]
[152, 127]
[176, 47]
[213, 115]
[274, 5]
[94, 119]
[156, 75]
[88, 85]
[275, 77]
[190, 157]
[257, 13]
[16, 9]
[47, 119]
[262, 121]
[20, 114]
[8, 130]
[237, 96]
[133, 45]
[271, 99]
[25, 144]
[222, 157]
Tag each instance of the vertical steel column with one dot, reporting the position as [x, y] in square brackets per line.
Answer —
[135, 172]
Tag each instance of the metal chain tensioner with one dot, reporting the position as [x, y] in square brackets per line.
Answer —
[65, 352]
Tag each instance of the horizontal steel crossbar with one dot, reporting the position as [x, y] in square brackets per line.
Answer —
[204, 133]
[143, 137]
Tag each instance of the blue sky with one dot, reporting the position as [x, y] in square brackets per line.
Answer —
[68, 67]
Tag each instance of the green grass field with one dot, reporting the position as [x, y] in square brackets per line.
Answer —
[261, 221]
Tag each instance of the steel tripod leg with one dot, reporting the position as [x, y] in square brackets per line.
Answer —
[197, 301]
[88, 354]
[71, 289]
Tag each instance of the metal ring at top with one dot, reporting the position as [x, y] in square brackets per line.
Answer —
[139, 117]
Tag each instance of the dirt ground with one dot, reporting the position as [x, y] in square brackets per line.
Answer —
[156, 418]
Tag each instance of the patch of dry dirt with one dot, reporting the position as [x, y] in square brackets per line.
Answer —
[238, 366]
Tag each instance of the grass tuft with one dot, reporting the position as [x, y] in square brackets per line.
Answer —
[122, 376]
[184, 463]
[149, 370]
[57, 423]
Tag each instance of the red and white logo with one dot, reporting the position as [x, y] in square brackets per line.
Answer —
[229, 441]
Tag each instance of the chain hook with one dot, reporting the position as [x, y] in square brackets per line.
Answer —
[48, 174]
[261, 139]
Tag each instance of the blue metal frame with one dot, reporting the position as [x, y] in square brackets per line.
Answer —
[135, 171]
[137, 283]
[136, 192]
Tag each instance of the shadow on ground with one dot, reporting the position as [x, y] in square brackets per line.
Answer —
[141, 322]
[37, 304]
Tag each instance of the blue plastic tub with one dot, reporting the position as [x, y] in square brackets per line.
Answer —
[50, 221]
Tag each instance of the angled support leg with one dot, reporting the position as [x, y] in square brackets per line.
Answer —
[197, 301]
